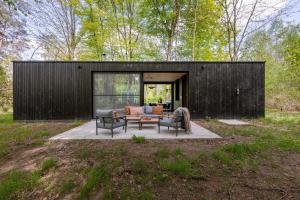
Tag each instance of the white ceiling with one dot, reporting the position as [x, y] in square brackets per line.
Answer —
[162, 77]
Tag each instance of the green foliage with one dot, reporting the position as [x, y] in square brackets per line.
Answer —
[96, 175]
[15, 182]
[138, 139]
[48, 163]
[279, 47]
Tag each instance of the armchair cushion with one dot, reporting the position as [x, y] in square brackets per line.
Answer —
[108, 125]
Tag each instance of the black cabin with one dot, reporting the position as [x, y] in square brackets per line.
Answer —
[63, 90]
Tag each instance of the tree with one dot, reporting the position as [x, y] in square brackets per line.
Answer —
[56, 27]
[13, 40]
[241, 18]
[202, 35]
[161, 19]
[279, 47]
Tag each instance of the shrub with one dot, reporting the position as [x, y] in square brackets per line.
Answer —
[138, 139]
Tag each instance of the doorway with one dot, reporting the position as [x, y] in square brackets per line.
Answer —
[169, 89]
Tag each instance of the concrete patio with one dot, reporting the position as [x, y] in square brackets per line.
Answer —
[149, 131]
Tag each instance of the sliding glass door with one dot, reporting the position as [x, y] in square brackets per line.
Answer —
[115, 90]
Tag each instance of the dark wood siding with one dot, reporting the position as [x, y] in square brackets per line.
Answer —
[49, 90]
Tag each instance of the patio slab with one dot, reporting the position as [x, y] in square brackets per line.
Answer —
[149, 131]
[233, 122]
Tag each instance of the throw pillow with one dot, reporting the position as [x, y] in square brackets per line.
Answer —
[148, 109]
[136, 110]
[127, 110]
[157, 110]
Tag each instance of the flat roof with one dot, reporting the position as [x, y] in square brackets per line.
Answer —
[80, 61]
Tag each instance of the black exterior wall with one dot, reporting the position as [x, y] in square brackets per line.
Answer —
[54, 90]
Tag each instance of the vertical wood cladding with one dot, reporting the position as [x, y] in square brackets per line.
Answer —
[53, 90]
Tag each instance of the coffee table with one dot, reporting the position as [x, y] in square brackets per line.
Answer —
[133, 119]
[148, 121]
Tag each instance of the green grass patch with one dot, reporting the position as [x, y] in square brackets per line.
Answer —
[17, 182]
[48, 164]
[222, 157]
[138, 139]
[177, 166]
[95, 177]
[139, 166]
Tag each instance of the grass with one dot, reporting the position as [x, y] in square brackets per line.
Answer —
[177, 166]
[138, 139]
[122, 170]
[96, 175]
[139, 166]
[162, 153]
[15, 183]
[48, 164]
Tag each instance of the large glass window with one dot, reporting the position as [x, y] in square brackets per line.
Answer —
[115, 90]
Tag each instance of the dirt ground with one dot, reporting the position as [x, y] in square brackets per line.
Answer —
[276, 176]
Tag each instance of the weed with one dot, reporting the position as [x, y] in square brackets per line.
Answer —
[107, 194]
[96, 175]
[76, 123]
[120, 150]
[222, 157]
[161, 178]
[42, 134]
[162, 153]
[49, 163]
[101, 155]
[125, 194]
[145, 195]
[178, 166]
[178, 152]
[138, 139]
[68, 184]
[139, 166]
[84, 153]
